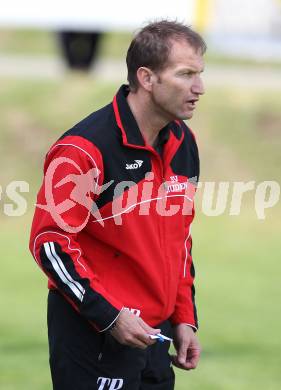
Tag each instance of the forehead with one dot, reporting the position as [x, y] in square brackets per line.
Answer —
[184, 55]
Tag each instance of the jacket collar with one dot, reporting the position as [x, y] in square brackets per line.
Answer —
[125, 120]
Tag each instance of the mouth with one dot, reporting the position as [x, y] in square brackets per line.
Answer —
[192, 102]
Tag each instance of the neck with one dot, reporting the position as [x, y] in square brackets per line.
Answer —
[147, 119]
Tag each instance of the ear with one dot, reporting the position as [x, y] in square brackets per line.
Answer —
[145, 78]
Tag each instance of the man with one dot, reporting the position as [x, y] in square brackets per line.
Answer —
[112, 225]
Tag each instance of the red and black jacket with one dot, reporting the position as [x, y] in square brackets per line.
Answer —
[112, 223]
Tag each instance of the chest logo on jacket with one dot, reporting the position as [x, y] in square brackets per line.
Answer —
[137, 164]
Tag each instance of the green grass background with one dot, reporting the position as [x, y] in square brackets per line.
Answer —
[112, 45]
[237, 257]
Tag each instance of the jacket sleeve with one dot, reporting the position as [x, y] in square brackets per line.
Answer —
[73, 173]
[185, 308]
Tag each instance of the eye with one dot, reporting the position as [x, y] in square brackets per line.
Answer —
[188, 74]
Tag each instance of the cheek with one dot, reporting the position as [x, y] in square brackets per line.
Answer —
[162, 96]
[170, 95]
[179, 90]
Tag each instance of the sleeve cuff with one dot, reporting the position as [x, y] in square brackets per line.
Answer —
[112, 324]
[194, 328]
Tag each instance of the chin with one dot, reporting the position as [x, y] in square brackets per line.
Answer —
[185, 116]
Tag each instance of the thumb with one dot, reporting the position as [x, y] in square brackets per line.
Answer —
[148, 328]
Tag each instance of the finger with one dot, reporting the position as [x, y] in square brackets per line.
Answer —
[176, 363]
[148, 329]
[132, 341]
[140, 338]
[193, 358]
[182, 353]
[145, 338]
[190, 364]
[185, 366]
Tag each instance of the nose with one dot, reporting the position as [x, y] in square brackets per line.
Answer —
[198, 85]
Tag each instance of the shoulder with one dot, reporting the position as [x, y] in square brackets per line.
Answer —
[188, 132]
[87, 137]
[94, 125]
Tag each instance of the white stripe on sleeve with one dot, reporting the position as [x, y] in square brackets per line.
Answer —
[60, 269]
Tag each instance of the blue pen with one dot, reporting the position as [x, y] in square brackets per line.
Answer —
[160, 337]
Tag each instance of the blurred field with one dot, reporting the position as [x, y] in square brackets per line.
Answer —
[237, 258]
[44, 43]
[112, 45]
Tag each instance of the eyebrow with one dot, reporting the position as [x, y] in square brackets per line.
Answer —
[191, 70]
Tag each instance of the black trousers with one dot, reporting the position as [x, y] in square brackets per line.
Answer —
[83, 359]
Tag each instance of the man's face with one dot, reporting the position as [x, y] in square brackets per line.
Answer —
[177, 88]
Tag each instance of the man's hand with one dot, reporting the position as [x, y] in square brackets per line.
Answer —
[187, 347]
[133, 331]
